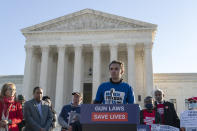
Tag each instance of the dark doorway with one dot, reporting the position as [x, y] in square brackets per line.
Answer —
[87, 93]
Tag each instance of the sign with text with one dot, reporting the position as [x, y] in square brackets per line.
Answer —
[191, 129]
[112, 116]
[188, 118]
[143, 128]
[157, 127]
[110, 113]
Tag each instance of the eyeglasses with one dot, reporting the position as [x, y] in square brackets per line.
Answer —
[11, 89]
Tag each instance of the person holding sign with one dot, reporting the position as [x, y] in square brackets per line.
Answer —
[70, 114]
[115, 91]
[166, 110]
[149, 116]
[189, 117]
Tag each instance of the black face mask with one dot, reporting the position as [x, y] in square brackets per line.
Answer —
[149, 106]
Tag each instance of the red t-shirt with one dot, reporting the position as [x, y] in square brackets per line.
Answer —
[149, 117]
[160, 110]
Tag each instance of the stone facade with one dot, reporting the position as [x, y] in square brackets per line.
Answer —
[72, 53]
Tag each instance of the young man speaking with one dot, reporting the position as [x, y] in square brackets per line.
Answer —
[115, 91]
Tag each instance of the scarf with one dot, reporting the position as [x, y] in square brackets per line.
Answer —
[8, 101]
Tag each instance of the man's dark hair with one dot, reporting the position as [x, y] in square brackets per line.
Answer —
[36, 88]
[117, 62]
[45, 97]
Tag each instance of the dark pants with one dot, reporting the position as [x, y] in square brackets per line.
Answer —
[76, 126]
[21, 125]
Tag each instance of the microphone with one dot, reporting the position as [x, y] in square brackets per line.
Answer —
[112, 90]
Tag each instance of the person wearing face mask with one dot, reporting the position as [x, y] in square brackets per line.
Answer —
[149, 116]
[192, 106]
[10, 110]
[192, 103]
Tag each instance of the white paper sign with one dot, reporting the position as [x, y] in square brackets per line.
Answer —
[157, 127]
[188, 118]
[191, 129]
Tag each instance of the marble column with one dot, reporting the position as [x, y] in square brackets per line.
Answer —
[44, 68]
[113, 52]
[96, 69]
[148, 69]
[27, 72]
[77, 68]
[60, 78]
[131, 65]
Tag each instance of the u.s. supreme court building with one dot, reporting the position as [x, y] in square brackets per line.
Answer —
[72, 53]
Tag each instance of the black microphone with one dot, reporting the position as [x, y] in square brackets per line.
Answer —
[112, 90]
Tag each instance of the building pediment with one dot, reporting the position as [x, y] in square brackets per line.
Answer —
[88, 19]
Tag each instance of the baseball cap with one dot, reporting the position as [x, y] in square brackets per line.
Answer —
[78, 93]
[192, 98]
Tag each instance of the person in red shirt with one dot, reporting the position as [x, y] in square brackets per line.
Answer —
[166, 110]
[149, 116]
[10, 110]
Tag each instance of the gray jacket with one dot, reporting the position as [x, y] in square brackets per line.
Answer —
[32, 116]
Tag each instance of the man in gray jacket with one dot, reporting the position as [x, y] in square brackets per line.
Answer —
[37, 113]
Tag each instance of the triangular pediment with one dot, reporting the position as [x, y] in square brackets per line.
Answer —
[88, 19]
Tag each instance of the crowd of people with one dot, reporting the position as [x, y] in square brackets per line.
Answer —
[38, 114]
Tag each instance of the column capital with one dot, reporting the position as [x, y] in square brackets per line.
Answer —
[131, 45]
[28, 48]
[148, 45]
[96, 46]
[61, 47]
[113, 45]
[44, 48]
[78, 46]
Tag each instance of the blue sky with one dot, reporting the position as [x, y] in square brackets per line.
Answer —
[175, 47]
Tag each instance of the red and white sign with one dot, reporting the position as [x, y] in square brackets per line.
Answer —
[112, 116]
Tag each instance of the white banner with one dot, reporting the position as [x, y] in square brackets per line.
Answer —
[191, 129]
[188, 118]
[157, 127]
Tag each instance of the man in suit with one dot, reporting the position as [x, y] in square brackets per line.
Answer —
[37, 113]
[166, 110]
